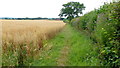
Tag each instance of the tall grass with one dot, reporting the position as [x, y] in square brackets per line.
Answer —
[23, 39]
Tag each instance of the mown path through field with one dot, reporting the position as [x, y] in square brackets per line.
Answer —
[68, 48]
[56, 50]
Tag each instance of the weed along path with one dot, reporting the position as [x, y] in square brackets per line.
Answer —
[68, 48]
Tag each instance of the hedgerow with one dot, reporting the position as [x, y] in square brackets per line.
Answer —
[103, 25]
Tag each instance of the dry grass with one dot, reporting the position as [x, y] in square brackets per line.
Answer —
[22, 39]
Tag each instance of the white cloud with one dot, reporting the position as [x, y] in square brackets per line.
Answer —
[40, 8]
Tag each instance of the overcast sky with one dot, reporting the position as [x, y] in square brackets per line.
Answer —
[41, 8]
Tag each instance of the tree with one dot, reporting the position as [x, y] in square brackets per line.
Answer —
[71, 10]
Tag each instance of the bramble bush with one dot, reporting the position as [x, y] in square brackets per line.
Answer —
[103, 25]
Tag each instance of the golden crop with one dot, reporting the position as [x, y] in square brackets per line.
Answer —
[23, 38]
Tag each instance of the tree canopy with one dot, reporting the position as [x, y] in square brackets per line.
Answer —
[71, 10]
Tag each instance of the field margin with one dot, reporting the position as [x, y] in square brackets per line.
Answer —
[0, 44]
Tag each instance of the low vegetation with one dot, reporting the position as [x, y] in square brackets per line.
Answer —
[75, 49]
[22, 40]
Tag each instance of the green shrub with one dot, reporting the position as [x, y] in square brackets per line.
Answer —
[66, 21]
[103, 25]
[92, 18]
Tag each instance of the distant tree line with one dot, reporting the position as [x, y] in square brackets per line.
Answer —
[38, 18]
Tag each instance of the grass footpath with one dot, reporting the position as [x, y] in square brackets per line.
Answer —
[68, 48]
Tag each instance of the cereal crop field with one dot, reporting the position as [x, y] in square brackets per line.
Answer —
[22, 39]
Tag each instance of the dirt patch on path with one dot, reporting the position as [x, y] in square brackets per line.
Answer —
[62, 59]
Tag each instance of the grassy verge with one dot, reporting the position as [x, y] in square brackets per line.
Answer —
[81, 50]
